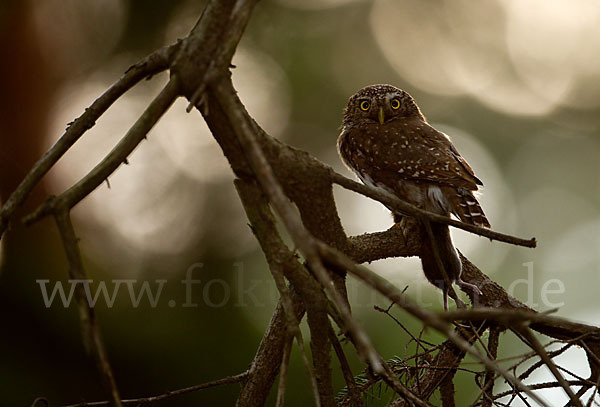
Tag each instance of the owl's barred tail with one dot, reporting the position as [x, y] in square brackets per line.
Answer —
[448, 255]
[466, 207]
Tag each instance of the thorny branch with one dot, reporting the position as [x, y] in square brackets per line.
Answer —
[146, 68]
[274, 178]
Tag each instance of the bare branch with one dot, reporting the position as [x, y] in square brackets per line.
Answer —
[170, 394]
[285, 361]
[115, 158]
[539, 349]
[541, 386]
[89, 329]
[405, 208]
[427, 317]
[490, 376]
[152, 64]
[353, 390]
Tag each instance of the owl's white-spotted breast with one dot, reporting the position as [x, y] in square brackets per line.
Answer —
[387, 142]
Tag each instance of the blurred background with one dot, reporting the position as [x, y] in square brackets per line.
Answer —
[515, 83]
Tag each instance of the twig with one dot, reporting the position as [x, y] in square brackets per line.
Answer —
[152, 64]
[408, 209]
[539, 349]
[285, 362]
[89, 329]
[541, 386]
[593, 396]
[309, 370]
[115, 158]
[508, 317]
[353, 390]
[397, 321]
[160, 397]
[490, 376]
[427, 317]
[293, 329]
[540, 363]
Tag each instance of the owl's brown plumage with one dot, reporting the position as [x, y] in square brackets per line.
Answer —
[388, 143]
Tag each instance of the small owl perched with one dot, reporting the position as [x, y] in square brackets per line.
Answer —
[388, 143]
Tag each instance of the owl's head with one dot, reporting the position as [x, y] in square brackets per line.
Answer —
[379, 104]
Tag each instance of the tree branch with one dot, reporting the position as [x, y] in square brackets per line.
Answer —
[170, 394]
[90, 332]
[403, 207]
[154, 63]
[115, 158]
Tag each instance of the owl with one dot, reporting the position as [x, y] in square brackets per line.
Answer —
[387, 142]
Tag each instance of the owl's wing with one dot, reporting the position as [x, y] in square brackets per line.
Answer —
[442, 139]
[411, 150]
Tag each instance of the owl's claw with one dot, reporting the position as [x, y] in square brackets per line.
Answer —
[400, 226]
[472, 287]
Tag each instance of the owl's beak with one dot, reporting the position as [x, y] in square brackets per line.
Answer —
[381, 115]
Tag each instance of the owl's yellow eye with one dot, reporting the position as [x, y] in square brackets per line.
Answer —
[395, 104]
[365, 105]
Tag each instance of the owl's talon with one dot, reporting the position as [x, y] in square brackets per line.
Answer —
[470, 286]
[400, 226]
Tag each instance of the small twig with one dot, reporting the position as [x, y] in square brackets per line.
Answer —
[285, 362]
[541, 351]
[427, 317]
[508, 317]
[540, 386]
[152, 64]
[405, 208]
[353, 390]
[540, 363]
[589, 352]
[593, 396]
[397, 321]
[170, 394]
[490, 376]
[582, 390]
[293, 329]
[89, 329]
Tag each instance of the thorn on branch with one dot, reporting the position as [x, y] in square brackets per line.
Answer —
[153, 63]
